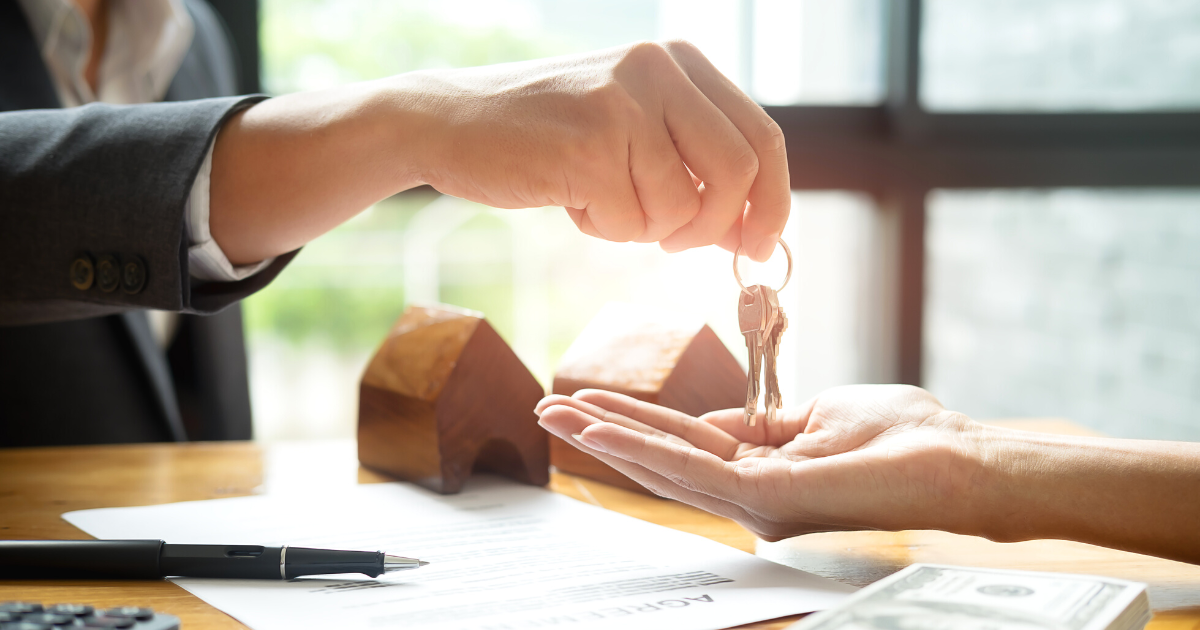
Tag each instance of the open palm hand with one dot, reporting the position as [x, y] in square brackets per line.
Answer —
[855, 457]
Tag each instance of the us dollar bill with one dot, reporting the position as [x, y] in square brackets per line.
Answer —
[937, 597]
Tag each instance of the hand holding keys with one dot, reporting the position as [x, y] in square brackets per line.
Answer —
[762, 323]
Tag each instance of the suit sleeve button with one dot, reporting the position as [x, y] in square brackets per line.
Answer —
[108, 274]
[82, 273]
[133, 276]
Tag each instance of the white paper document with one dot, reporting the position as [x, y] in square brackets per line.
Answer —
[503, 556]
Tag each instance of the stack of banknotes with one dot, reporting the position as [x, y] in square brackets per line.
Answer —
[940, 597]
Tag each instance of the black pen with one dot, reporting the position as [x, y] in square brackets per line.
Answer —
[154, 559]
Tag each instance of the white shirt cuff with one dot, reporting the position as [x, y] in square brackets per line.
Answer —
[206, 260]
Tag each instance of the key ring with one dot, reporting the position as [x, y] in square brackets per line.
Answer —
[786, 278]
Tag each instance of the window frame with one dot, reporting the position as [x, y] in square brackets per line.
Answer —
[898, 152]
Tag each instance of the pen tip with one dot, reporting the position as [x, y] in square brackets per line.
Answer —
[399, 563]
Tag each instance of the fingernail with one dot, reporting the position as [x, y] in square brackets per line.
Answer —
[588, 443]
[537, 411]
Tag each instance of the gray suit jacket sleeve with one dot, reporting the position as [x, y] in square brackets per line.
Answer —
[104, 180]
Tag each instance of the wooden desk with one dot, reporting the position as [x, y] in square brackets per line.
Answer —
[39, 484]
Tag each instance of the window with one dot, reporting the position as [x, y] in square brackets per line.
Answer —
[1065, 55]
[1043, 137]
[1076, 303]
[1020, 125]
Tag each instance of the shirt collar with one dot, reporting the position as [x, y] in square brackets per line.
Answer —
[147, 41]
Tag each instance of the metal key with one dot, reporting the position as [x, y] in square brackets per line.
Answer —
[763, 323]
[752, 318]
[771, 343]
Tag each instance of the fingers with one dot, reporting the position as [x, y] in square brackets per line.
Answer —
[710, 145]
[791, 423]
[718, 154]
[769, 196]
[687, 120]
[732, 421]
[615, 212]
[699, 434]
[732, 238]
[664, 187]
[689, 468]
[599, 414]
[566, 418]
[568, 422]
[580, 217]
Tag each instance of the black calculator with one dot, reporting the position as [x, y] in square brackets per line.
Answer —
[34, 616]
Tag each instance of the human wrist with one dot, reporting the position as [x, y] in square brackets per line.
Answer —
[1029, 485]
[291, 168]
[1127, 494]
[440, 133]
[969, 477]
[409, 112]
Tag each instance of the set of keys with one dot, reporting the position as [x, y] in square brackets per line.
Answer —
[763, 323]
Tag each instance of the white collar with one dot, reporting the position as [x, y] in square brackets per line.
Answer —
[147, 41]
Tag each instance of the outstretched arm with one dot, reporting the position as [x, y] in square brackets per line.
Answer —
[92, 205]
[645, 143]
[1136, 495]
[890, 457]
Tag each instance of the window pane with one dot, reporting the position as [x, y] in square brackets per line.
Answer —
[1083, 304]
[780, 51]
[817, 51]
[1053, 55]
[833, 297]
